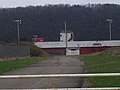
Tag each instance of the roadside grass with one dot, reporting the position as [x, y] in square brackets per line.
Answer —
[8, 65]
[103, 64]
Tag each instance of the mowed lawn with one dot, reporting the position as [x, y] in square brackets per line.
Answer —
[8, 65]
[103, 64]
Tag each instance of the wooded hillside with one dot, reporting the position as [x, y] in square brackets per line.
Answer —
[88, 22]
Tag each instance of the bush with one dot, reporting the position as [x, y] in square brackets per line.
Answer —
[113, 51]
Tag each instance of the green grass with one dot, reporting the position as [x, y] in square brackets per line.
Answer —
[103, 64]
[18, 63]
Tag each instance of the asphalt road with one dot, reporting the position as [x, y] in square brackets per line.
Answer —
[55, 65]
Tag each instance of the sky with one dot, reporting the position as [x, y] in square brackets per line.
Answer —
[23, 3]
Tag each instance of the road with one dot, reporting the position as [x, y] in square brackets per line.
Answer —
[55, 65]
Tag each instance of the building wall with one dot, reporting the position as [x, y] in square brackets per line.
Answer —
[55, 51]
[88, 50]
[83, 50]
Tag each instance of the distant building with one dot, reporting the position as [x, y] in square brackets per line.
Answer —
[75, 47]
[36, 38]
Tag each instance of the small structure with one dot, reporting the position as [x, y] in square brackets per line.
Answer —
[70, 36]
[72, 51]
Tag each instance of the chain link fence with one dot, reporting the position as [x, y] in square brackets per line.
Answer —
[14, 51]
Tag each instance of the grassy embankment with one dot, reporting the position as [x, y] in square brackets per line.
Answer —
[18, 63]
[107, 63]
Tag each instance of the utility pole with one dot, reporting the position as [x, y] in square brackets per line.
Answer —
[110, 28]
[66, 35]
[18, 29]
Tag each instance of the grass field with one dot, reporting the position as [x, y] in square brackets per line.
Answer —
[103, 64]
[18, 63]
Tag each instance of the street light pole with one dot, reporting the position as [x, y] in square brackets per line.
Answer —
[18, 28]
[110, 28]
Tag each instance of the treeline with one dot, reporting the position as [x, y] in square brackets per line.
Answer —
[88, 22]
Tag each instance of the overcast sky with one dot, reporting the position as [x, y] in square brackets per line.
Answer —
[17, 3]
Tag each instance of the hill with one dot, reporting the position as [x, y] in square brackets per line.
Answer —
[88, 22]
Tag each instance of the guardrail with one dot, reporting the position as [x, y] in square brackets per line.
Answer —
[65, 76]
